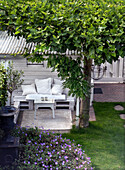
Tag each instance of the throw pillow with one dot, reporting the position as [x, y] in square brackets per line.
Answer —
[57, 89]
[28, 89]
[43, 86]
[57, 81]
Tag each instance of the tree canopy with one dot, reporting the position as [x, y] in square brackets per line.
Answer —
[96, 29]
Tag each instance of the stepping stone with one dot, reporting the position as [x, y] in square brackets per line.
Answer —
[122, 116]
[119, 108]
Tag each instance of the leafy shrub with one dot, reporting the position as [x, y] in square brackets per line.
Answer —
[3, 86]
[45, 150]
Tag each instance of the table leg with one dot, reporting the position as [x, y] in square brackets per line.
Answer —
[52, 107]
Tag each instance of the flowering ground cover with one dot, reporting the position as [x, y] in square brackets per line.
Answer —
[104, 139]
[44, 150]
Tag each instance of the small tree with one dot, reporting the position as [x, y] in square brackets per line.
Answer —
[3, 86]
[14, 79]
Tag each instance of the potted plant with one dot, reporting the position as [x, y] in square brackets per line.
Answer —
[10, 80]
[3, 93]
[14, 79]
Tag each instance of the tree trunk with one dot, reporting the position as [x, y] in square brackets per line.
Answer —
[10, 97]
[85, 103]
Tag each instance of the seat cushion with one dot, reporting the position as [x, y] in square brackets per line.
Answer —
[58, 81]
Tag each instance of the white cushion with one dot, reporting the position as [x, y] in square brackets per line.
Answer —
[57, 81]
[66, 91]
[43, 86]
[57, 89]
[28, 89]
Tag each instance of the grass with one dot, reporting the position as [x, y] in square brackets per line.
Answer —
[104, 139]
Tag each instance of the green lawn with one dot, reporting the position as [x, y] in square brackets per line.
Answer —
[104, 140]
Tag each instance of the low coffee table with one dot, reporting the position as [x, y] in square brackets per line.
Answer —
[44, 103]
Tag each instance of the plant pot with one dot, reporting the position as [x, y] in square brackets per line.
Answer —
[7, 119]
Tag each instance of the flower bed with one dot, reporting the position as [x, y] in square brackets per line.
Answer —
[45, 150]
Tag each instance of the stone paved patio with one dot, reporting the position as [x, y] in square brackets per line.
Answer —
[44, 120]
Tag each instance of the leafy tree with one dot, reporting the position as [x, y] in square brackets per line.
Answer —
[95, 29]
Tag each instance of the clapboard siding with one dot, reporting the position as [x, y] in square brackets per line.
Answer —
[115, 72]
[31, 72]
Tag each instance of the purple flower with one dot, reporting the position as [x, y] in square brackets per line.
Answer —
[35, 163]
[65, 157]
[77, 158]
[62, 150]
[63, 162]
[83, 162]
[56, 163]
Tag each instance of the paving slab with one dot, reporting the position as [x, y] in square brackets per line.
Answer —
[44, 119]
[92, 114]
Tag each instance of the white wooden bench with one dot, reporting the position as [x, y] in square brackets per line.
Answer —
[27, 102]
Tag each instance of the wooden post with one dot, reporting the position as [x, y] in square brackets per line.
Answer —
[77, 112]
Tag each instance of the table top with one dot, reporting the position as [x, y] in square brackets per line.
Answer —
[38, 96]
[44, 100]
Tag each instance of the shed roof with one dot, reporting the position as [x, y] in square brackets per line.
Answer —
[12, 45]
